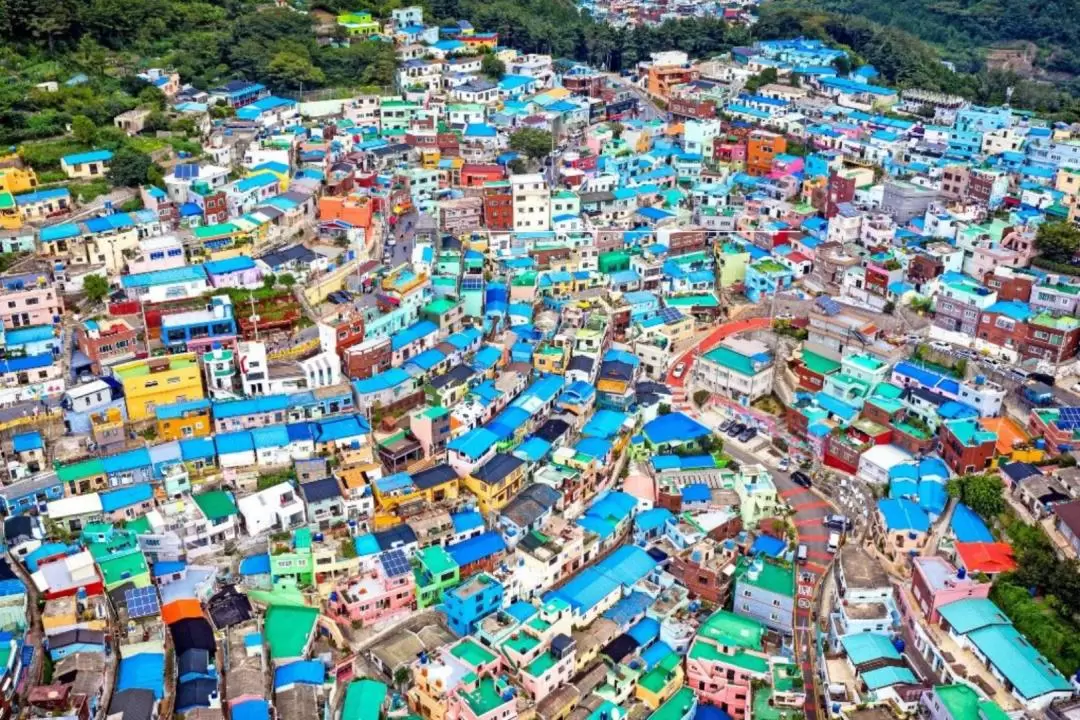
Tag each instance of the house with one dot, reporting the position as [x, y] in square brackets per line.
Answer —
[86, 165]
[1067, 522]
[740, 369]
[496, 481]
[275, 508]
[726, 655]
[765, 591]
[471, 601]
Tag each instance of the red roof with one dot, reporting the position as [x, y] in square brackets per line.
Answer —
[989, 558]
[798, 257]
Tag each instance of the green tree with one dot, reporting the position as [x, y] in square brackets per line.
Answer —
[1058, 241]
[292, 70]
[492, 67]
[96, 288]
[765, 77]
[617, 129]
[132, 168]
[269, 280]
[531, 142]
[84, 130]
[842, 65]
[517, 166]
[982, 493]
[286, 280]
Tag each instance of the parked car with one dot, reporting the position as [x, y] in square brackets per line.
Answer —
[1044, 378]
[735, 430]
[748, 434]
[800, 478]
[838, 522]
[725, 426]
[679, 370]
[785, 463]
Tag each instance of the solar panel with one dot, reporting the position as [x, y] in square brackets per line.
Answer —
[187, 171]
[826, 303]
[142, 602]
[394, 563]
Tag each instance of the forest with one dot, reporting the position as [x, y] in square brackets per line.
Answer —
[209, 42]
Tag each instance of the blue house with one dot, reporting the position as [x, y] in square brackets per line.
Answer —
[472, 601]
[31, 493]
[199, 329]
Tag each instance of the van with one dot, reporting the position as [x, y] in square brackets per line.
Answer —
[838, 522]
[800, 554]
[834, 542]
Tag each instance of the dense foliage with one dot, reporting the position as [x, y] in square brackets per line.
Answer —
[981, 493]
[1042, 597]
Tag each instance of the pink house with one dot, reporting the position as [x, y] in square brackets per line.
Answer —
[551, 670]
[724, 658]
[483, 698]
[234, 272]
[373, 597]
[465, 665]
[936, 582]
[22, 306]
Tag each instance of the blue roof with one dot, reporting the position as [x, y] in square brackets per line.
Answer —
[229, 265]
[476, 548]
[28, 334]
[645, 631]
[250, 710]
[43, 195]
[177, 410]
[652, 519]
[467, 520]
[366, 544]
[163, 568]
[901, 514]
[256, 181]
[341, 428]
[604, 424]
[628, 607]
[768, 545]
[412, 334]
[271, 436]
[305, 672]
[234, 442]
[87, 157]
[124, 497]
[969, 614]
[696, 492]
[521, 611]
[1030, 674]
[125, 461]
[197, 449]
[186, 273]
[25, 442]
[474, 443]
[255, 565]
[674, 426]
[145, 671]
[969, 527]
[381, 381]
[59, 232]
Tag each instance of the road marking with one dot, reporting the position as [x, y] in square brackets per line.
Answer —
[811, 505]
[810, 537]
[808, 521]
[791, 492]
[814, 567]
[819, 555]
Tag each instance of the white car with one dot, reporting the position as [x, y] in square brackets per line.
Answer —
[680, 369]
[785, 463]
[938, 345]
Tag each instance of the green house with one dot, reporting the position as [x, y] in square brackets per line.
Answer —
[435, 573]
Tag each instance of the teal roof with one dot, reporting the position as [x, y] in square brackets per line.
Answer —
[1030, 673]
[888, 675]
[970, 614]
[863, 648]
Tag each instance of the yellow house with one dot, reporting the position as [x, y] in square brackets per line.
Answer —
[496, 481]
[10, 217]
[660, 683]
[429, 158]
[550, 359]
[17, 180]
[86, 165]
[433, 485]
[156, 381]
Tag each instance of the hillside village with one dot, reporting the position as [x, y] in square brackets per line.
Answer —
[733, 388]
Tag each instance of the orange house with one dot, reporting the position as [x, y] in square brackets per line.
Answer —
[355, 210]
[184, 420]
[664, 77]
[761, 148]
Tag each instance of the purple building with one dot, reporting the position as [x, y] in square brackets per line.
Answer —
[235, 272]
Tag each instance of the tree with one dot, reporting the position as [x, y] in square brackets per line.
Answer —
[1058, 241]
[765, 77]
[286, 280]
[981, 493]
[96, 288]
[492, 67]
[84, 130]
[701, 397]
[617, 129]
[842, 65]
[290, 70]
[132, 168]
[532, 143]
[517, 166]
[269, 281]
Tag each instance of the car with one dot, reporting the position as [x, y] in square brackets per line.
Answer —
[679, 370]
[724, 426]
[735, 430]
[801, 553]
[838, 522]
[1044, 378]
[938, 345]
[748, 434]
[800, 478]
[785, 463]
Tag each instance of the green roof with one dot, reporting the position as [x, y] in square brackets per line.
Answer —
[963, 703]
[288, 629]
[771, 576]
[440, 306]
[472, 653]
[541, 665]
[216, 504]
[364, 700]
[6, 201]
[819, 363]
[692, 301]
[733, 630]
[118, 568]
[436, 560]
[484, 698]
[677, 707]
[78, 471]
[765, 710]
[866, 362]
[731, 360]
[139, 526]
[1063, 322]
[970, 433]
[887, 676]
[523, 643]
[658, 678]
